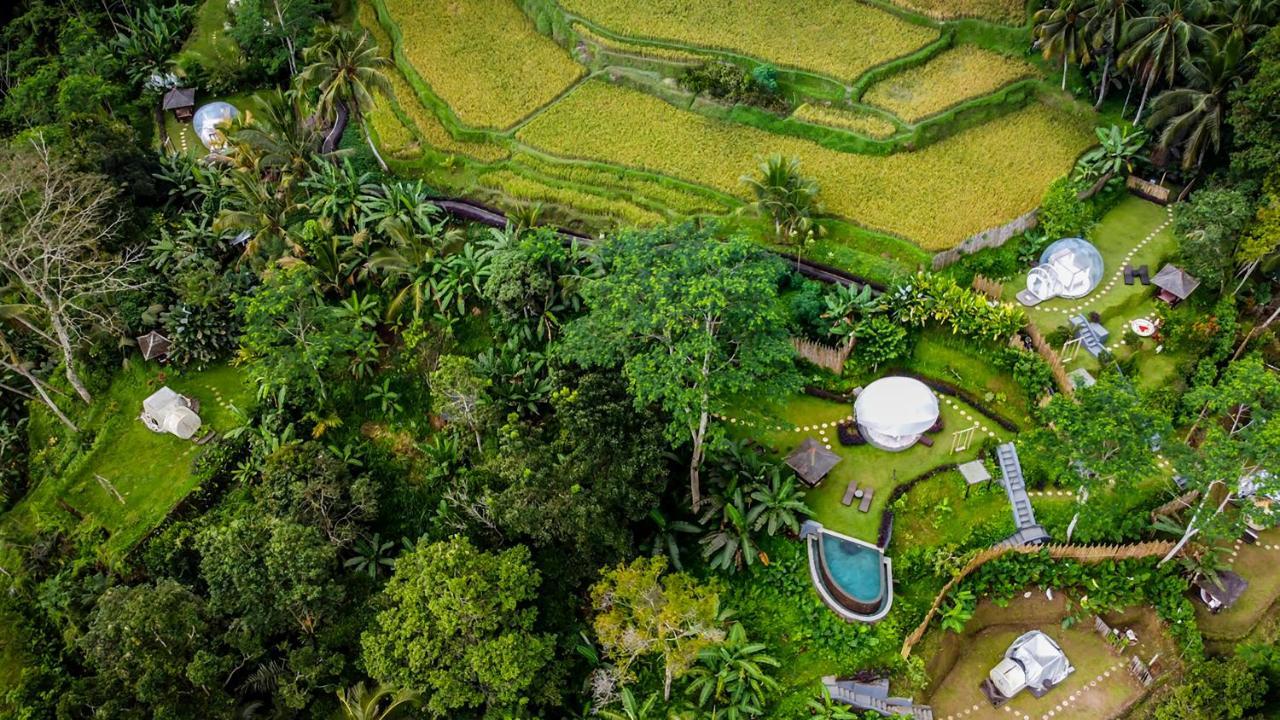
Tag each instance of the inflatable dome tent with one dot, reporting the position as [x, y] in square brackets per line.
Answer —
[893, 412]
[1069, 268]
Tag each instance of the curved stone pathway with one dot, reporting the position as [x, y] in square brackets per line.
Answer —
[1118, 276]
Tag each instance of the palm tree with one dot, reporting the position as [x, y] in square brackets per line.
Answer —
[786, 197]
[340, 194]
[824, 708]
[1104, 24]
[348, 71]
[780, 504]
[279, 135]
[360, 703]
[1193, 117]
[730, 678]
[263, 212]
[1060, 32]
[1244, 20]
[1159, 44]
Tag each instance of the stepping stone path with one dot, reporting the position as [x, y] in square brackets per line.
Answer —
[821, 428]
[1061, 707]
[1118, 277]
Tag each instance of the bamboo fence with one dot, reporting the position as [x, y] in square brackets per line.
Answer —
[1082, 553]
[824, 356]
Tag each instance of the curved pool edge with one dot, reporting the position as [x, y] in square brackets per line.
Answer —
[812, 533]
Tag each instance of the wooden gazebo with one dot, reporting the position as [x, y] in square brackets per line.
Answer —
[812, 461]
[181, 102]
[1175, 284]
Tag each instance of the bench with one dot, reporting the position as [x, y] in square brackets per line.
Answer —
[847, 500]
[926, 441]
[867, 494]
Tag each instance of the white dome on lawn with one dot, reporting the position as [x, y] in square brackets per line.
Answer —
[211, 120]
[1069, 268]
[893, 412]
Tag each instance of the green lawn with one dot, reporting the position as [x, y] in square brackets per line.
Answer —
[936, 511]
[1259, 565]
[209, 38]
[1117, 235]
[802, 416]
[182, 135]
[152, 472]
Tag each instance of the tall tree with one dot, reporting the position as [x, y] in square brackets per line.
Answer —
[1105, 21]
[693, 320]
[56, 225]
[457, 626]
[1061, 32]
[347, 71]
[786, 197]
[1192, 117]
[640, 611]
[1159, 44]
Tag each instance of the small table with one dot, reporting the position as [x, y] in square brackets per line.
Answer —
[858, 494]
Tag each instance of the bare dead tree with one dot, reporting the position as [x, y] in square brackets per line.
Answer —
[54, 222]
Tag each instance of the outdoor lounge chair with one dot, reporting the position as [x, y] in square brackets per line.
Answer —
[847, 500]
[865, 505]
[926, 441]
[1143, 273]
[1128, 274]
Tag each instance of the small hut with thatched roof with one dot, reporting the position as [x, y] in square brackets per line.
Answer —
[812, 461]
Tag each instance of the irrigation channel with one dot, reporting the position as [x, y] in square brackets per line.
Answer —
[485, 215]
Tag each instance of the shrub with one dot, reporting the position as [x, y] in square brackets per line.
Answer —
[728, 82]
[1062, 213]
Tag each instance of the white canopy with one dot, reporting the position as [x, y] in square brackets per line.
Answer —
[165, 411]
[1070, 268]
[211, 120]
[1034, 660]
[893, 412]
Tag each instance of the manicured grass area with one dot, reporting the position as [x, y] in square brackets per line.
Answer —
[1100, 687]
[1137, 232]
[833, 37]
[944, 356]
[209, 37]
[803, 416]
[935, 196]
[963, 72]
[1260, 566]
[859, 121]
[152, 472]
[182, 135]
[1010, 12]
[936, 512]
[483, 57]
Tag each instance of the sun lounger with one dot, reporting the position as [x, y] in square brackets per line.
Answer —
[847, 500]
[866, 500]
[926, 441]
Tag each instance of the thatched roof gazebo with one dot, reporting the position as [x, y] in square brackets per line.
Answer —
[812, 461]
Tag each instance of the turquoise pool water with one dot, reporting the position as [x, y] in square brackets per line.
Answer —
[855, 568]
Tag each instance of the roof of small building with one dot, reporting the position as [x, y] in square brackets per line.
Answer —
[180, 98]
[974, 472]
[153, 345]
[1176, 281]
[1227, 590]
[812, 461]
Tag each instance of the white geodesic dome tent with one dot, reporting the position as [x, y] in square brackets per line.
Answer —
[893, 412]
[211, 120]
[165, 411]
[1070, 268]
[1034, 661]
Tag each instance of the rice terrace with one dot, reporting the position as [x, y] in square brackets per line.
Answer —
[917, 129]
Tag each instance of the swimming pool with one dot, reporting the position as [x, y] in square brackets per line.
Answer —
[853, 578]
[853, 569]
